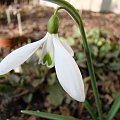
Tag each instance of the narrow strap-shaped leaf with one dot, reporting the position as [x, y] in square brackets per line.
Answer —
[90, 110]
[115, 107]
[48, 115]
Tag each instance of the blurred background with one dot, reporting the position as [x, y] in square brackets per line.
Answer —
[35, 87]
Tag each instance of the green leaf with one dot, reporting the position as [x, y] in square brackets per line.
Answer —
[105, 50]
[14, 79]
[94, 50]
[48, 115]
[5, 88]
[37, 82]
[100, 74]
[56, 94]
[28, 98]
[93, 35]
[52, 79]
[68, 99]
[80, 56]
[115, 107]
[113, 54]
[90, 110]
[15, 118]
[114, 66]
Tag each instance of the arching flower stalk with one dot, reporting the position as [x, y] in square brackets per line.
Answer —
[54, 53]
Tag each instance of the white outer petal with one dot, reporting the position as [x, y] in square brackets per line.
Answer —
[19, 56]
[65, 45]
[68, 72]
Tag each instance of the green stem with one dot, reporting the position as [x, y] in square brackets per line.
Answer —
[56, 11]
[74, 13]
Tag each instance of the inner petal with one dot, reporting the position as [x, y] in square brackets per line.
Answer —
[47, 53]
[47, 59]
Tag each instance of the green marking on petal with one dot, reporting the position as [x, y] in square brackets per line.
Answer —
[47, 58]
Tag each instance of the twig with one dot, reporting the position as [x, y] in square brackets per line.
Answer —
[22, 93]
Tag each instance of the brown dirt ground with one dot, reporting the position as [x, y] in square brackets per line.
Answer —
[34, 21]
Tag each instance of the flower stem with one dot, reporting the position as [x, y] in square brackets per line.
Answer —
[74, 13]
[56, 11]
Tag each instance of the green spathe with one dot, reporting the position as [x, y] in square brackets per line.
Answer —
[53, 24]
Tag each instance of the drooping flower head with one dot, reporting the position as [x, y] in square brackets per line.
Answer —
[54, 53]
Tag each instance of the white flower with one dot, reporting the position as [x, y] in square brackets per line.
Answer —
[54, 53]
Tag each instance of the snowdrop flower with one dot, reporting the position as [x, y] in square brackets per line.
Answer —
[54, 53]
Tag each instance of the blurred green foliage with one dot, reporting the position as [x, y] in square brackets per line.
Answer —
[105, 53]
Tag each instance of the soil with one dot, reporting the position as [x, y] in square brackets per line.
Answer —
[34, 23]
